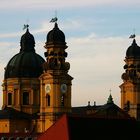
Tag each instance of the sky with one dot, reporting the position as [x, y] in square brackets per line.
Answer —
[97, 34]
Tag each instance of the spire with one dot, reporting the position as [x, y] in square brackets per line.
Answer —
[110, 100]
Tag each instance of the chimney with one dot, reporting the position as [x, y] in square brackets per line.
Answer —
[88, 103]
[94, 103]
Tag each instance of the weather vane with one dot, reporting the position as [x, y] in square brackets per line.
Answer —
[55, 18]
[26, 26]
[133, 35]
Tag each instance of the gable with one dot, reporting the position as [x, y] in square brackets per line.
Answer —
[58, 131]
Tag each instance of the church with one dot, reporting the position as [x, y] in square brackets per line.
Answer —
[37, 92]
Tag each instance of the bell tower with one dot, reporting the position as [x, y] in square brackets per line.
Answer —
[130, 89]
[55, 81]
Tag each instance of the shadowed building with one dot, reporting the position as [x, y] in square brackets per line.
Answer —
[86, 128]
[105, 122]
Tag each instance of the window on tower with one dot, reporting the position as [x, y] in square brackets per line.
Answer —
[25, 98]
[48, 100]
[128, 105]
[62, 100]
[9, 98]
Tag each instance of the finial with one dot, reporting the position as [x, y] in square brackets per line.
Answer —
[134, 42]
[110, 99]
[88, 103]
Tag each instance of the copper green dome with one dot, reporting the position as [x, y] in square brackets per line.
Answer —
[55, 35]
[26, 63]
[133, 50]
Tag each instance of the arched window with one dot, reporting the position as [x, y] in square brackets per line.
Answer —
[9, 98]
[128, 105]
[62, 100]
[25, 98]
[48, 100]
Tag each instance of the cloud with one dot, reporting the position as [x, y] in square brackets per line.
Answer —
[30, 4]
[96, 61]
[45, 27]
[96, 65]
[9, 35]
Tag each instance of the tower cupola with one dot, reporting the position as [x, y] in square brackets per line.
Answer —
[56, 54]
[27, 42]
[56, 36]
[133, 50]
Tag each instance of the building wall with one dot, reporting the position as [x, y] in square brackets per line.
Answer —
[4, 126]
[17, 86]
[20, 125]
[12, 126]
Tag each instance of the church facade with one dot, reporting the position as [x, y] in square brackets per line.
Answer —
[37, 92]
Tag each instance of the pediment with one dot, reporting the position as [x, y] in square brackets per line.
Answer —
[46, 76]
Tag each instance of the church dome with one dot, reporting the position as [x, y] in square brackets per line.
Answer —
[56, 35]
[26, 63]
[133, 50]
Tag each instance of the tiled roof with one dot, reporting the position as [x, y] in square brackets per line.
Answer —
[70, 127]
[108, 110]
